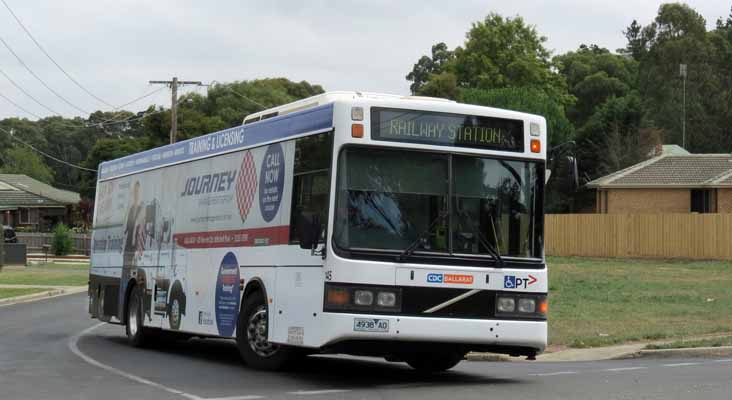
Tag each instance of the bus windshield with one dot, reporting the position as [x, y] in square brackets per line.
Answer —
[388, 199]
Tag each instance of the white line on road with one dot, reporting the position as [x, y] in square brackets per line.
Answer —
[723, 361]
[555, 373]
[315, 392]
[624, 369]
[687, 364]
[74, 347]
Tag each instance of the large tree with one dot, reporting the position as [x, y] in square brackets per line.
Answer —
[21, 160]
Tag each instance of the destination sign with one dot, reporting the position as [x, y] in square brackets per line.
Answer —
[444, 129]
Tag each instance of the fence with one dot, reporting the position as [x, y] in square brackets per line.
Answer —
[36, 241]
[692, 236]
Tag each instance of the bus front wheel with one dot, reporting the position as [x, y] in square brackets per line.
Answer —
[433, 362]
[251, 337]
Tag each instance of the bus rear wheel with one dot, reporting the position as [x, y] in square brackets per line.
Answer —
[251, 337]
[137, 334]
[433, 362]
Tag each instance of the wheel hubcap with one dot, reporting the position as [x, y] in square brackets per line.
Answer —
[257, 334]
[132, 319]
[175, 313]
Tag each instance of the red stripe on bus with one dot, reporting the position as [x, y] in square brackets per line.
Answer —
[234, 238]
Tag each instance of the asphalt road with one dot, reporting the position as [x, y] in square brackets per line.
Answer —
[43, 356]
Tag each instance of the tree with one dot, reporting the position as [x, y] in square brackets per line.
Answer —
[498, 53]
[21, 160]
[526, 99]
[428, 68]
[678, 36]
[105, 150]
[593, 75]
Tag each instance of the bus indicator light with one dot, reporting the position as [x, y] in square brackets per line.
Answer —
[535, 146]
[337, 296]
[357, 130]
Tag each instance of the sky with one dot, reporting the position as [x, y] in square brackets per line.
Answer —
[113, 48]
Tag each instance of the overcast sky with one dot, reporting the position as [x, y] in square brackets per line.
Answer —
[114, 47]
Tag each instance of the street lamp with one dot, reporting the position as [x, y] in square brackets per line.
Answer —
[682, 73]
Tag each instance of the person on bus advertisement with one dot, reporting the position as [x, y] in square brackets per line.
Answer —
[134, 240]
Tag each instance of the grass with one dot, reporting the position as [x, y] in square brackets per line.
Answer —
[13, 292]
[46, 274]
[601, 302]
[682, 344]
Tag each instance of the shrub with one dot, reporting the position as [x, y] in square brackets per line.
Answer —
[62, 243]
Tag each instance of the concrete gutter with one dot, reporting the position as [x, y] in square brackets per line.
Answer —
[691, 352]
[49, 293]
[621, 352]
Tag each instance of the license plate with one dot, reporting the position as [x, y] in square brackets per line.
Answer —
[370, 325]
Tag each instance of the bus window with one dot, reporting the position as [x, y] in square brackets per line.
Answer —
[311, 183]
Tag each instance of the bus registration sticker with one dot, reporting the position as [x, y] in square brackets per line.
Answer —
[370, 325]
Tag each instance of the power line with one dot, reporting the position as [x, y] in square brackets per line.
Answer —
[18, 106]
[46, 154]
[215, 84]
[30, 71]
[87, 91]
[26, 93]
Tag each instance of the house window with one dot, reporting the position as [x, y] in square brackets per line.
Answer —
[702, 201]
[24, 216]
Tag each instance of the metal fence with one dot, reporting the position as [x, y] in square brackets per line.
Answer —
[686, 236]
[36, 241]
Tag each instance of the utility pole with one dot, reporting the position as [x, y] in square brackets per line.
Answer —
[682, 72]
[173, 84]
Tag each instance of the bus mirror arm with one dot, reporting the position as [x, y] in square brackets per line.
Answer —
[310, 232]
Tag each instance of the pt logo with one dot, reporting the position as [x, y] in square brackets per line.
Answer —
[514, 282]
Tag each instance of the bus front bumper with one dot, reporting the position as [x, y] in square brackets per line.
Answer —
[502, 336]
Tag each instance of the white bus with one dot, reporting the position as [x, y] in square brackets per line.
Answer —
[408, 228]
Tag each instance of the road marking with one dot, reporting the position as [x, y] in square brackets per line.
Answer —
[555, 373]
[312, 392]
[723, 361]
[682, 364]
[74, 347]
[624, 369]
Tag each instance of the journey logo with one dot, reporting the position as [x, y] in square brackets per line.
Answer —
[209, 183]
[271, 181]
[246, 185]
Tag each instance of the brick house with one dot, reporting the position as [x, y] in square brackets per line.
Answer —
[673, 182]
[28, 203]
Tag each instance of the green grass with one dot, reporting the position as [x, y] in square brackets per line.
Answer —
[13, 292]
[682, 344]
[48, 274]
[600, 302]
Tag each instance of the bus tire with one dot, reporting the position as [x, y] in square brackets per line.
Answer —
[137, 334]
[176, 308]
[433, 362]
[251, 337]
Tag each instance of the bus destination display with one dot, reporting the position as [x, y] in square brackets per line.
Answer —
[447, 129]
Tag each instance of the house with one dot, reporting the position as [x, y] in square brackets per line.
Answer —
[673, 182]
[26, 202]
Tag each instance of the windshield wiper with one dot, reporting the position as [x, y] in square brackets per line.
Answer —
[420, 239]
[483, 240]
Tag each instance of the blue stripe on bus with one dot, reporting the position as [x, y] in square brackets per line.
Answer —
[314, 119]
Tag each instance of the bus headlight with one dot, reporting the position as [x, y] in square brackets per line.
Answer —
[506, 304]
[363, 297]
[521, 305]
[527, 305]
[386, 299]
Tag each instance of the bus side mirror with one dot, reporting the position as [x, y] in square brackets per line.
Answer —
[309, 230]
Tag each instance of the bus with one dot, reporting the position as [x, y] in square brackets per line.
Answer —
[403, 227]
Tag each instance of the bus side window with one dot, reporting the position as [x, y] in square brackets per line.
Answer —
[311, 184]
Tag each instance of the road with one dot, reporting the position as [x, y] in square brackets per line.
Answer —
[43, 356]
